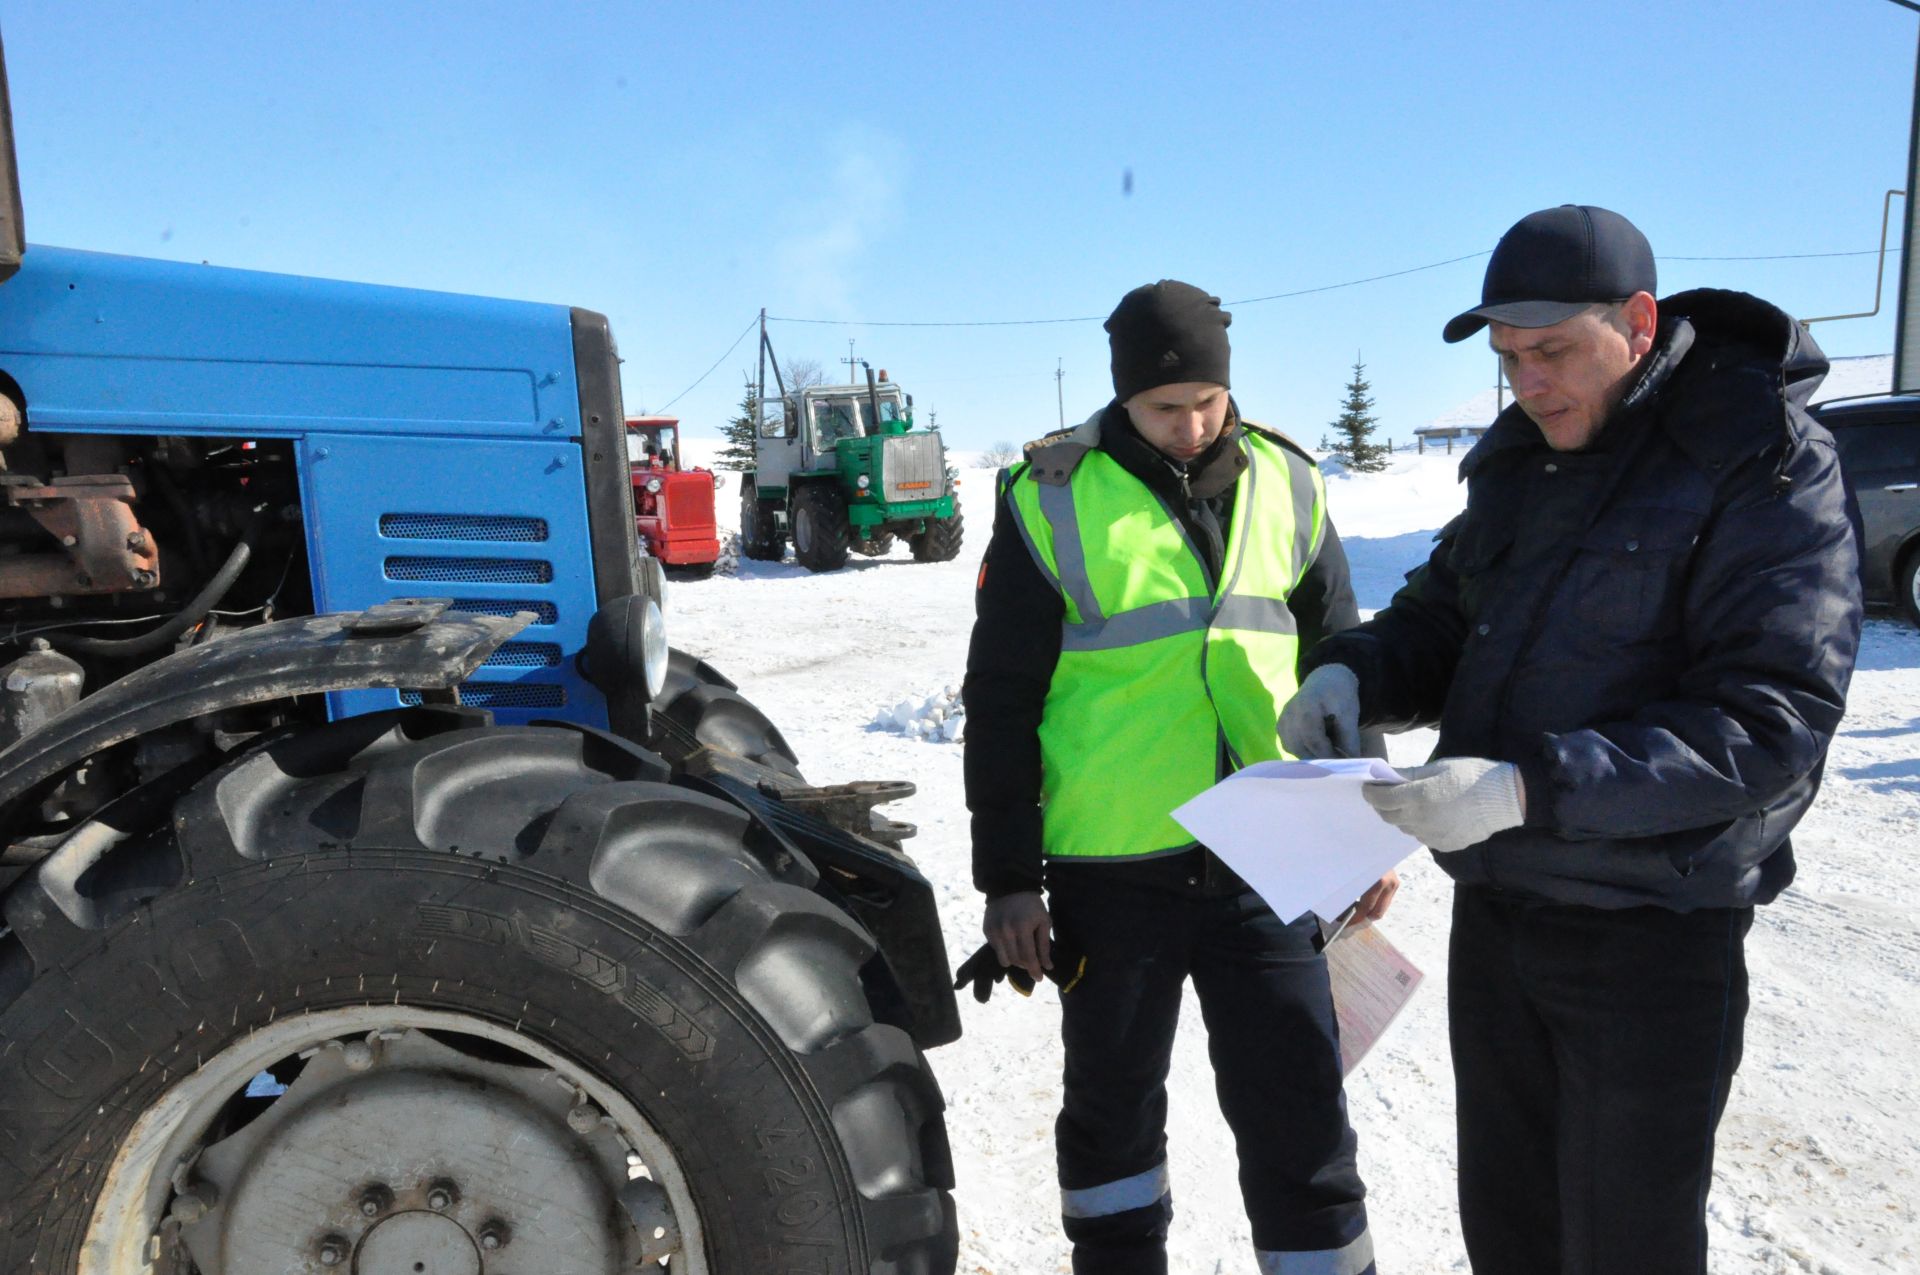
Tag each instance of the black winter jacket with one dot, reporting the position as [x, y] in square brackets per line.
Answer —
[1658, 630]
[1016, 645]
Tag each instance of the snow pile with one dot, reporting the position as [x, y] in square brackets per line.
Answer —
[728, 563]
[939, 718]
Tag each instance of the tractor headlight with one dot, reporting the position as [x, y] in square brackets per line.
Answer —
[863, 482]
[653, 485]
[653, 648]
[653, 581]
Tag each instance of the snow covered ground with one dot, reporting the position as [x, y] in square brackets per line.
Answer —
[1818, 1155]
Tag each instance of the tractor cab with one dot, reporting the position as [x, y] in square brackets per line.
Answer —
[672, 503]
[836, 413]
[653, 442]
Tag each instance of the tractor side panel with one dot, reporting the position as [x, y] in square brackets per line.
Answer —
[500, 529]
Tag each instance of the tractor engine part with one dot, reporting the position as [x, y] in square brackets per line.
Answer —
[35, 689]
[103, 547]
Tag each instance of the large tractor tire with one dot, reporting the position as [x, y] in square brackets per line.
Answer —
[940, 542]
[410, 992]
[820, 527]
[760, 537]
[699, 707]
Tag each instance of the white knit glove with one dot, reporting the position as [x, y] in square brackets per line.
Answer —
[1323, 717]
[1452, 804]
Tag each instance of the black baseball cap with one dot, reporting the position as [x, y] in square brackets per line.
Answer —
[1555, 263]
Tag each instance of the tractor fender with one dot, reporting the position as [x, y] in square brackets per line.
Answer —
[412, 644]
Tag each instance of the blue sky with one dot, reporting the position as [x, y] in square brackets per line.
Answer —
[680, 166]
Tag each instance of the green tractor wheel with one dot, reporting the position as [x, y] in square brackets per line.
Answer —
[940, 542]
[760, 537]
[819, 514]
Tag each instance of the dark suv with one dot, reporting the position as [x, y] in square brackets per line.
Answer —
[1879, 442]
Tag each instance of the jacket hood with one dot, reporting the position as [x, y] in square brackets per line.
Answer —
[1770, 333]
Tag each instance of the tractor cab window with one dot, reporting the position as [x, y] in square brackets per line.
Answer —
[835, 419]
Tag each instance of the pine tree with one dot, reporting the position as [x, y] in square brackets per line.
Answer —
[1355, 426]
[740, 431]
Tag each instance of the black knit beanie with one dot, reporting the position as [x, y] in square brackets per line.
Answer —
[1167, 332]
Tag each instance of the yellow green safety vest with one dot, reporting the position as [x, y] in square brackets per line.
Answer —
[1160, 679]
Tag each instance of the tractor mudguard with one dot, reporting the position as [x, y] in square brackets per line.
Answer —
[881, 888]
[409, 644]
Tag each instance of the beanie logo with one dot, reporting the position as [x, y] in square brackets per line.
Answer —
[1170, 359]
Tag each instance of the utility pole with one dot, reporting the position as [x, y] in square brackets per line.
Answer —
[852, 363]
[1906, 337]
[1059, 390]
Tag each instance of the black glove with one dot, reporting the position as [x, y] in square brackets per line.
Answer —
[983, 969]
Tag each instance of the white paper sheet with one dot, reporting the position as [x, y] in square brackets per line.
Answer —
[1299, 832]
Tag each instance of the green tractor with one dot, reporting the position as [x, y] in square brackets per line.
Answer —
[841, 468]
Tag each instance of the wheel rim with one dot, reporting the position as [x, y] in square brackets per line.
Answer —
[803, 530]
[1913, 588]
[399, 1123]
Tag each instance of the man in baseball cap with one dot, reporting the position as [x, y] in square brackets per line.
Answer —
[1635, 643]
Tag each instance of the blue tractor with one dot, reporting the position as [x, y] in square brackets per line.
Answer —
[379, 892]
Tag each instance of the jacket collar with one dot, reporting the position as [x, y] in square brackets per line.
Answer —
[1206, 476]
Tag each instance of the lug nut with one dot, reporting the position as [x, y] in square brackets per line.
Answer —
[136, 542]
[441, 1194]
[375, 1200]
[494, 1235]
[584, 1119]
[333, 1251]
[191, 1203]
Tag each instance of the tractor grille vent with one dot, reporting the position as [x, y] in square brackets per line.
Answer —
[476, 570]
[543, 612]
[461, 527]
[913, 467]
[524, 655]
[502, 695]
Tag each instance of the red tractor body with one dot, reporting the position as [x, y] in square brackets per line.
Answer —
[672, 505]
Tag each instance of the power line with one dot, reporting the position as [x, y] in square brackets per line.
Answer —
[1276, 296]
[1792, 256]
[751, 323]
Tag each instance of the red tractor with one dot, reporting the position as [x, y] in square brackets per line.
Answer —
[672, 504]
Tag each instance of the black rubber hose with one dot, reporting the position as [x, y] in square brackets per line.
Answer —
[182, 512]
[190, 615]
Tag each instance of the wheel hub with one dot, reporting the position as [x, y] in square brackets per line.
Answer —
[417, 1244]
[441, 1147]
[405, 1122]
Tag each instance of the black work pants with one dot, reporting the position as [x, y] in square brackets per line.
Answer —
[1592, 1051]
[1275, 1051]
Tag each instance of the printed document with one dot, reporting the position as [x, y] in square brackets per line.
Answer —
[1372, 983]
[1299, 832]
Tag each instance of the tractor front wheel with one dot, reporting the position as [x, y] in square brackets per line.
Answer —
[820, 527]
[940, 542]
[293, 1027]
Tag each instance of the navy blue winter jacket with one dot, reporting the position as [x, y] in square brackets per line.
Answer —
[1659, 630]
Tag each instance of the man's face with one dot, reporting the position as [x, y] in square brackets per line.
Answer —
[1180, 420]
[1567, 378]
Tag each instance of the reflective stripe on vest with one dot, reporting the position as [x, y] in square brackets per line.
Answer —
[1157, 672]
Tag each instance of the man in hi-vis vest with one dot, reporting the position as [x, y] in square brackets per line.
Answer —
[1153, 579]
